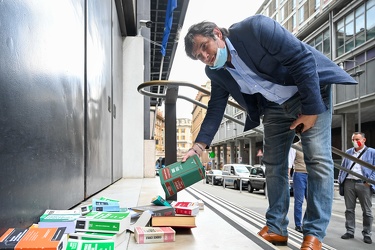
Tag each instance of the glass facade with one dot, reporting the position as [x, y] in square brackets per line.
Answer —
[322, 43]
[355, 28]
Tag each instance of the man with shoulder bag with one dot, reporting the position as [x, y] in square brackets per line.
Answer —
[352, 187]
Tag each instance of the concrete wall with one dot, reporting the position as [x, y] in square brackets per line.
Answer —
[133, 139]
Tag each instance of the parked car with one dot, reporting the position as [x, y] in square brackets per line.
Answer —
[239, 170]
[160, 163]
[218, 180]
[249, 167]
[257, 179]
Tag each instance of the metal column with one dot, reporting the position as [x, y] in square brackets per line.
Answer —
[170, 128]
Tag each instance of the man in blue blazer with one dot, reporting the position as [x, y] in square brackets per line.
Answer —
[355, 187]
[287, 83]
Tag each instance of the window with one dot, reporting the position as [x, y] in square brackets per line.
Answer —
[319, 42]
[282, 13]
[349, 32]
[301, 13]
[360, 25]
[317, 4]
[356, 28]
[322, 43]
[327, 44]
[370, 21]
[340, 37]
[272, 8]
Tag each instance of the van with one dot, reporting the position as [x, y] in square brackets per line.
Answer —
[236, 170]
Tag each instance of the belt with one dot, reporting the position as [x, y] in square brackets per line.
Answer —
[356, 181]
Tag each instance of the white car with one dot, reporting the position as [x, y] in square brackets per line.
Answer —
[236, 169]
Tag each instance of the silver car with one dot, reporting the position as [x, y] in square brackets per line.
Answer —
[216, 175]
[257, 179]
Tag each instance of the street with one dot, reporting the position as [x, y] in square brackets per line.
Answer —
[258, 203]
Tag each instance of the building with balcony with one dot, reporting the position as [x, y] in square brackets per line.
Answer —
[159, 134]
[183, 134]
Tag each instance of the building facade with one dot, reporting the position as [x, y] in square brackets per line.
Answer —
[198, 115]
[159, 134]
[184, 141]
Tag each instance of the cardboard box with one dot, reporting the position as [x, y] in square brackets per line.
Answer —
[184, 207]
[154, 234]
[34, 238]
[90, 245]
[59, 218]
[105, 205]
[104, 222]
[155, 210]
[117, 238]
[179, 175]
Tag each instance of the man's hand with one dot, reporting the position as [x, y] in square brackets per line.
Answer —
[197, 149]
[304, 123]
[191, 152]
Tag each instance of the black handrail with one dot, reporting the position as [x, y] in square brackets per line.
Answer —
[141, 89]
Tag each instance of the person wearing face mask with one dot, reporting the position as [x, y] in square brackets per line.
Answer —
[287, 83]
[355, 188]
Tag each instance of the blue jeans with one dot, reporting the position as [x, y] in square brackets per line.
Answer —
[316, 143]
[300, 192]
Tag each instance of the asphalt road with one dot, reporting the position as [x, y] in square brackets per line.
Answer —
[257, 202]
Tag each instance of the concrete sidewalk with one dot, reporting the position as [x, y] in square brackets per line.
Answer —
[212, 231]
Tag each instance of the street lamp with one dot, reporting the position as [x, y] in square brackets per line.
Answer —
[357, 75]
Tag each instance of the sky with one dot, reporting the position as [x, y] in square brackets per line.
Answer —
[221, 12]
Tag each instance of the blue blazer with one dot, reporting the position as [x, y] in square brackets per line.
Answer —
[368, 156]
[278, 56]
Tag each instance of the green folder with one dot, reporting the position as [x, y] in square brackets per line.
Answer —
[179, 175]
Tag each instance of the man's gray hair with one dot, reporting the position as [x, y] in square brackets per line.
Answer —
[359, 133]
[205, 29]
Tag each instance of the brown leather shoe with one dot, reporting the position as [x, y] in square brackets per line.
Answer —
[311, 243]
[273, 238]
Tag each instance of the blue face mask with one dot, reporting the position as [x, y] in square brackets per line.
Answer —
[221, 58]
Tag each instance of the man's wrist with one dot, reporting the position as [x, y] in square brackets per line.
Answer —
[192, 149]
[199, 146]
